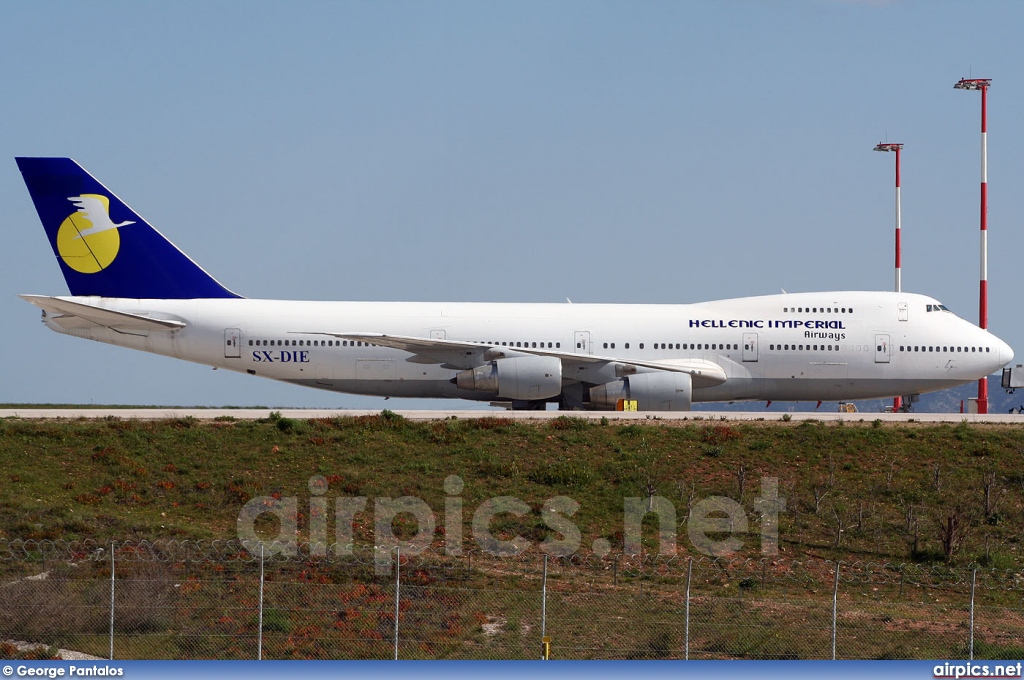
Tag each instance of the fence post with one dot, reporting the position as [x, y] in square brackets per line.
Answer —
[835, 602]
[398, 580]
[259, 633]
[544, 608]
[689, 573]
[974, 577]
[112, 570]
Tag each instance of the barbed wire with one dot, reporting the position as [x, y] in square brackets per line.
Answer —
[435, 560]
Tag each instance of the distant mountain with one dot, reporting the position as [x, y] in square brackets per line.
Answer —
[946, 401]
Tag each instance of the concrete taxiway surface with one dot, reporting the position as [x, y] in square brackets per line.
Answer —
[253, 414]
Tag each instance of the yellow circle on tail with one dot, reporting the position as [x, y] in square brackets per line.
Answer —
[87, 254]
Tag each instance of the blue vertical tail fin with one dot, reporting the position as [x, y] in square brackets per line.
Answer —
[104, 247]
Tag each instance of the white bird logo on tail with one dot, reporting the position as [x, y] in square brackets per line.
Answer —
[96, 209]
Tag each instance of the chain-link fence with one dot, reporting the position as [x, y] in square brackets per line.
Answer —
[191, 600]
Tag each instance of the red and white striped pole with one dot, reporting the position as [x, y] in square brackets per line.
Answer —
[897, 402]
[982, 84]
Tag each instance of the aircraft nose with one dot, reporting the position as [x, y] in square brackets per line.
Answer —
[1005, 352]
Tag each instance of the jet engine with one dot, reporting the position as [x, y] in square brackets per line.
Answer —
[525, 378]
[660, 391]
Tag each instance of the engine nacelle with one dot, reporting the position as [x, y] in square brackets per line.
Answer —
[520, 378]
[660, 391]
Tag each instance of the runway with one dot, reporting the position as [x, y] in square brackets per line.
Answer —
[209, 414]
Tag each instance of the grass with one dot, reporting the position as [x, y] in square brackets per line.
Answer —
[854, 490]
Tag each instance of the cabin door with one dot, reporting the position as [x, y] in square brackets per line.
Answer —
[232, 343]
[583, 342]
[750, 346]
[882, 349]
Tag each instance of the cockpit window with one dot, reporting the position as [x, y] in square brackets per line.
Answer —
[937, 308]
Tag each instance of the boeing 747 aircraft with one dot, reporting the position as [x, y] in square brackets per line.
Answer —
[131, 287]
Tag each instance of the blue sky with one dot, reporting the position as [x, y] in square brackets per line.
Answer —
[526, 151]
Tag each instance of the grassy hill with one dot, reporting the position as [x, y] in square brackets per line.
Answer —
[854, 490]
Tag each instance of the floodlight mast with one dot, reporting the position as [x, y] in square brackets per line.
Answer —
[897, 402]
[982, 84]
[887, 146]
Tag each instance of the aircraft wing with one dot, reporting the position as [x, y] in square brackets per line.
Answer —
[73, 315]
[458, 354]
[453, 353]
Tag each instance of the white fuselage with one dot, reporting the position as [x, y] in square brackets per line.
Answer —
[804, 346]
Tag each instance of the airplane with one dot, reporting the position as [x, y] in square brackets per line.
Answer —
[133, 288]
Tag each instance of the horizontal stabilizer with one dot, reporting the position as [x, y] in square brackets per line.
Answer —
[70, 314]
